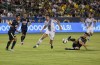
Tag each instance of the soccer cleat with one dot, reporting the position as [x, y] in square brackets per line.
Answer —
[69, 38]
[11, 50]
[35, 46]
[66, 48]
[22, 43]
[51, 47]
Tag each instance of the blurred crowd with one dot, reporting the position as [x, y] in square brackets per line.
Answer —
[55, 8]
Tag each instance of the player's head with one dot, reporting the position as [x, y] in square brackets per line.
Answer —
[47, 17]
[24, 15]
[90, 15]
[86, 34]
[18, 17]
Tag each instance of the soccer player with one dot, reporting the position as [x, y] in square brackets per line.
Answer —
[90, 23]
[78, 43]
[25, 23]
[50, 30]
[13, 27]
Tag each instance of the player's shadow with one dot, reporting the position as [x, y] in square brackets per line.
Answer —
[91, 50]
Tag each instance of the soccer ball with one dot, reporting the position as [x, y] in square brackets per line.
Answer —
[64, 41]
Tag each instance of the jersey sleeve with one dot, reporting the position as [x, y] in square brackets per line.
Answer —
[55, 21]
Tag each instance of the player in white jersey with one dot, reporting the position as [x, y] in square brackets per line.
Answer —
[50, 30]
[90, 23]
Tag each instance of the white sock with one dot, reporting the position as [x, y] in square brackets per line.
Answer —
[39, 42]
[88, 38]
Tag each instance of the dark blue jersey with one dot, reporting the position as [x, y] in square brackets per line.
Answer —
[13, 26]
[24, 23]
[84, 40]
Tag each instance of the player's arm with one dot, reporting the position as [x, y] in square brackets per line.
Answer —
[58, 22]
[44, 27]
[29, 22]
[10, 23]
[18, 31]
[17, 27]
[85, 22]
[82, 43]
[82, 20]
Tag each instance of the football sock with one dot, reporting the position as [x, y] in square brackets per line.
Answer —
[88, 38]
[22, 38]
[8, 44]
[51, 43]
[72, 39]
[39, 42]
[14, 42]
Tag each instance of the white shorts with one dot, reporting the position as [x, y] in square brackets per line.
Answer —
[90, 30]
[51, 34]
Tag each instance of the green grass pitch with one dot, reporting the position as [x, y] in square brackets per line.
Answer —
[43, 55]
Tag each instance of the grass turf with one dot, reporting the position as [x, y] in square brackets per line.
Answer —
[43, 55]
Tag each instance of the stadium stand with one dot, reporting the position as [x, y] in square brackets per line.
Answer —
[56, 8]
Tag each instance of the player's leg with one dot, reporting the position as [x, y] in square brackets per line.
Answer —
[51, 43]
[10, 40]
[51, 35]
[40, 40]
[89, 32]
[71, 39]
[74, 47]
[23, 36]
[14, 42]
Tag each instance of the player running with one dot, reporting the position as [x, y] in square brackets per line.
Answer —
[90, 23]
[25, 23]
[13, 27]
[50, 30]
[78, 43]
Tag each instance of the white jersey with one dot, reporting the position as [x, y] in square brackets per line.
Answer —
[50, 30]
[89, 25]
[50, 25]
[89, 22]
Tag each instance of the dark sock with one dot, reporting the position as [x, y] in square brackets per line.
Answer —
[51, 44]
[22, 38]
[8, 44]
[14, 42]
[72, 39]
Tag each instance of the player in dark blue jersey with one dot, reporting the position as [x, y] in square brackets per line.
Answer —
[13, 28]
[25, 23]
[78, 43]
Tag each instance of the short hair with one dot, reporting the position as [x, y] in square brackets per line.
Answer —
[17, 15]
[48, 15]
